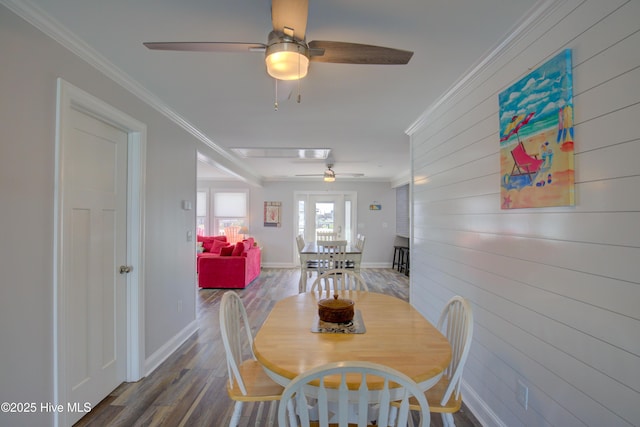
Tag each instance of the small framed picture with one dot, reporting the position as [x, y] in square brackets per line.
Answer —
[272, 214]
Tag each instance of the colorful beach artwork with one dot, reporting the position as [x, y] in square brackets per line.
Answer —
[536, 138]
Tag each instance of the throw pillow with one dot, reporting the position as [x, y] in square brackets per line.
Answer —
[227, 250]
[217, 245]
[238, 249]
[207, 243]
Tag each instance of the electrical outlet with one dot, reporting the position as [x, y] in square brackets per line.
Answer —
[522, 394]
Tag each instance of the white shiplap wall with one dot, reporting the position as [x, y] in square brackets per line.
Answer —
[555, 291]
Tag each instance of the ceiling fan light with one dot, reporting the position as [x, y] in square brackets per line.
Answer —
[287, 61]
[329, 176]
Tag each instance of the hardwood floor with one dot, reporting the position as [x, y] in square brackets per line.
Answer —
[188, 389]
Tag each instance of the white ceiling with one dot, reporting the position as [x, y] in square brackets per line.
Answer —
[361, 112]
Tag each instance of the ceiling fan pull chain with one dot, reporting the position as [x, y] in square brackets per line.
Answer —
[298, 99]
[275, 104]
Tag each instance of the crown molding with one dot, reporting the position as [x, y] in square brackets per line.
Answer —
[538, 13]
[55, 30]
[402, 179]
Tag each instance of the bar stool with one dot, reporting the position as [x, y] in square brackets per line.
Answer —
[405, 258]
[401, 258]
[397, 257]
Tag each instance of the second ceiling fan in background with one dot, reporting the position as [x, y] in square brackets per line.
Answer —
[329, 175]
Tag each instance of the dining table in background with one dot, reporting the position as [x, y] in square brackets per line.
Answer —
[310, 253]
[396, 335]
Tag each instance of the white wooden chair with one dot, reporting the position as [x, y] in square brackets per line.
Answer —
[300, 242]
[248, 381]
[322, 235]
[456, 323]
[311, 265]
[339, 279]
[359, 244]
[331, 254]
[359, 405]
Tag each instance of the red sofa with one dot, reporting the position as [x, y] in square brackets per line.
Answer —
[227, 266]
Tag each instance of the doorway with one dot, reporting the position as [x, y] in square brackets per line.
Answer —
[98, 300]
[334, 211]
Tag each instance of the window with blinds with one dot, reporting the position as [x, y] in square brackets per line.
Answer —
[230, 214]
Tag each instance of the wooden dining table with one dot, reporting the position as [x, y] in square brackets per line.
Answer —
[310, 252]
[395, 334]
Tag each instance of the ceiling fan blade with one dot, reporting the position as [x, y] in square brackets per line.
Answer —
[291, 14]
[354, 53]
[352, 175]
[206, 46]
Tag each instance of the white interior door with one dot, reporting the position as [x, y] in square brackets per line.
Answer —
[94, 236]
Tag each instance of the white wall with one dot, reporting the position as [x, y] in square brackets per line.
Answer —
[31, 63]
[555, 291]
[278, 244]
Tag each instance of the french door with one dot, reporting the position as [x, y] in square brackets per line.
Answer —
[332, 211]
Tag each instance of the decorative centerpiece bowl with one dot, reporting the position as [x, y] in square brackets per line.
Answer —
[336, 310]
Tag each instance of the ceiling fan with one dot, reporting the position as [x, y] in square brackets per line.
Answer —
[287, 53]
[329, 175]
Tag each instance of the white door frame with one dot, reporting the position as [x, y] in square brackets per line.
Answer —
[352, 195]
[70, 97]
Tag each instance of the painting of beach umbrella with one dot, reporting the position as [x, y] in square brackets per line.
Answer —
[514, 126]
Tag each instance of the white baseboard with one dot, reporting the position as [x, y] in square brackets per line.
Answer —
[479, 408]
[376, 265]
[160, 355]
[279, 265]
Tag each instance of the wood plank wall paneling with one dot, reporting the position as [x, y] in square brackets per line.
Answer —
[555, 291]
